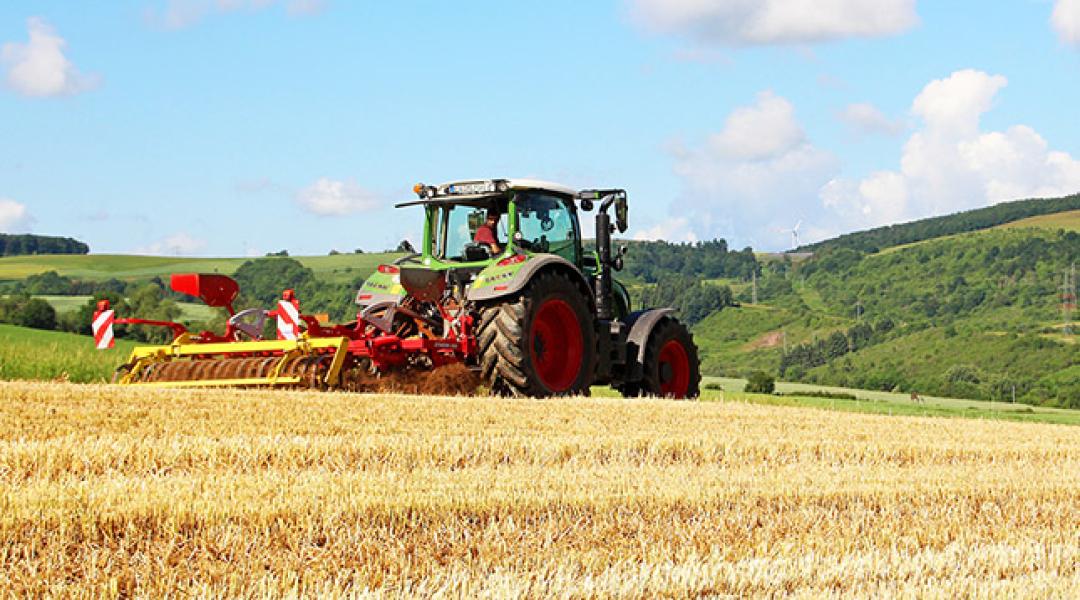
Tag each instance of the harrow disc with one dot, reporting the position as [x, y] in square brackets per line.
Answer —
[310, 371]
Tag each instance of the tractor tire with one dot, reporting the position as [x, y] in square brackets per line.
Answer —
[671, 368]
[540, 342]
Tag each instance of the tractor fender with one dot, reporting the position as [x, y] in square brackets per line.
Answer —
[381, 287]
[496, 282]
[641, 324]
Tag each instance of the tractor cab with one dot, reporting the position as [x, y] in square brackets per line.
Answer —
[474, 223]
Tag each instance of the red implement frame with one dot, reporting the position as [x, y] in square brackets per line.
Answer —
[366, 340]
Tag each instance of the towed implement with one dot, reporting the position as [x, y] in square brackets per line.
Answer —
[504, 294]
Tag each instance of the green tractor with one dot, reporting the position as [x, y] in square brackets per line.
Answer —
[505, 283]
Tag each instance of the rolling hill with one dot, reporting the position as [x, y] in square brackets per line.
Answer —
[970, 313]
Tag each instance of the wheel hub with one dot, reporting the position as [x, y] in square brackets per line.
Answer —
[556, 345]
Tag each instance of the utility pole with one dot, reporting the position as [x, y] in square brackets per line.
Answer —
[858, 310]
[753, 292]
[1068, 299]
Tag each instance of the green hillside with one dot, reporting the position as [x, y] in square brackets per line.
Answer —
[97, 267]
[969, 315]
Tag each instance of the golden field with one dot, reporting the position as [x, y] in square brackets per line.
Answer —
[107, 491]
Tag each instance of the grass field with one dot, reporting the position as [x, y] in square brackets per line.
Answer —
[122, 492]
[47, 355]
[888, 403]
[341, 267]
[1069, 220]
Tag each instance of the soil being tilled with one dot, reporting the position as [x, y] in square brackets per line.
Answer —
[451, 380]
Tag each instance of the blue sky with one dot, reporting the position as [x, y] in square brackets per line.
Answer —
[233, 127]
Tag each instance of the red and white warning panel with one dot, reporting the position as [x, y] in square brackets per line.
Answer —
[103, 329]
[288, 320]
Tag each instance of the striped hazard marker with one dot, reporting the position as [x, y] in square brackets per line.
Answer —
[103, 329]
[288, 320]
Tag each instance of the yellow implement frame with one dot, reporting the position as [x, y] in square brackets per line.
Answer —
[143, 357]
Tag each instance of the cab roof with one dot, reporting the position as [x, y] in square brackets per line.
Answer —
[522, 183]
[488, 188]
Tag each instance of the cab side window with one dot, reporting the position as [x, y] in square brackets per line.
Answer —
[547, 225]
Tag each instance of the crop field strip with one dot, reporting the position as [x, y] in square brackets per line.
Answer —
[93, 267]
[111, 491]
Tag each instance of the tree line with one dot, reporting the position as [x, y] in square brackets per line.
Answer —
[873, 240]
[16, 245]
[693, 299]
[649, 261]
[795, 362]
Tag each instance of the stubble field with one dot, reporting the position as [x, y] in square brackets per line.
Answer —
[108, 491]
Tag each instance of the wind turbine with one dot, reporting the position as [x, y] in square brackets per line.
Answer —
[794, 231]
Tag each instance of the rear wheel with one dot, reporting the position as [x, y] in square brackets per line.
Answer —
[670, 368]
[539, 343]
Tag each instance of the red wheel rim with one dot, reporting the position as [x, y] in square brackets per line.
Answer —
[556, 345]
[674, 370]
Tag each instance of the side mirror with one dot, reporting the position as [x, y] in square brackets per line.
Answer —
[621, 214]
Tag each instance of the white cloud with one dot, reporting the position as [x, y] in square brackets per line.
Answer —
[866, 119]
[39, 67]
[14, 217]
[1066, 20]
[954, 105]
[767, 129]
[760, 173]
[673, 229]
[178, 14]
[949, 164]
[757, 22]
[329, 197]
[177, 244]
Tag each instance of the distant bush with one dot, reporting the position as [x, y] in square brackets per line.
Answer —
[824, 394]
[27, 312]
[761, 382]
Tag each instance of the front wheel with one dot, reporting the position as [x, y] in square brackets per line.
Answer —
[670, 368]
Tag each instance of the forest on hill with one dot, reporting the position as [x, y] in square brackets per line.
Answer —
[873, 240]
[21, 244]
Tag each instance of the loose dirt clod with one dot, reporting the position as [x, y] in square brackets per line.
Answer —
[451, 380]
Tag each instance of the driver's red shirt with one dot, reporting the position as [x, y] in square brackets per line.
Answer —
[486, 234]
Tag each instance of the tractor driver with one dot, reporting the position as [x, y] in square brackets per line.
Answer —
[488, 233]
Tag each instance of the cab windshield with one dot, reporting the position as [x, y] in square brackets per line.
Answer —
[454, 231]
